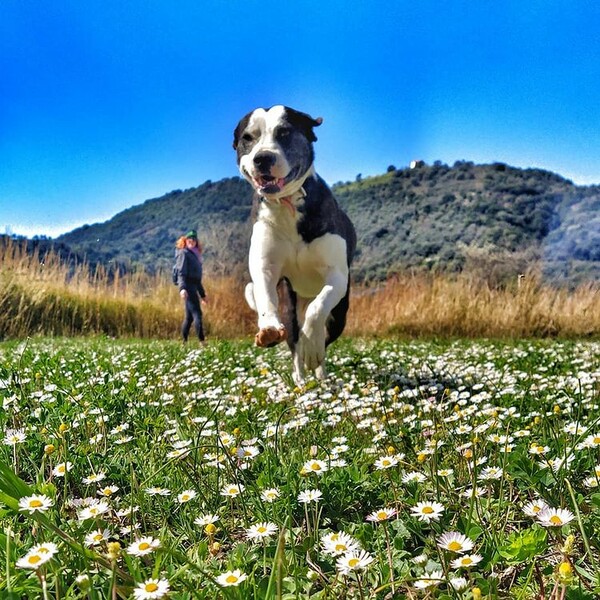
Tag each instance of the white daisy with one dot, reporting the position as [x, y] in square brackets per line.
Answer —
[37, 556]
[270, 495]
[432, 579]
[386, 462]
[108, 491]
[143, 546]
[62, 468]
[458, 583]
[308, 496]
[14, 437]
[554, 517]
[414, 477]
[232, 490]
[93, 510]
[231, 578]
[261, 531]
[94, 477]
[314, 466]
[382, 514]
[96, 537]
[427, 511]
[534, 508]
[157, 491]
[151, 589]
[466, 561]
[455, 542]
[339, 543]
[186, 496]
[35, 503]
[353, 561]
[490, 473]
[206, 519]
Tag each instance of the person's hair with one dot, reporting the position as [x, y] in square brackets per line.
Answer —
[180, 244]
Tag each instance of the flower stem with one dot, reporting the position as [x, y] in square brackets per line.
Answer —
[389, 556]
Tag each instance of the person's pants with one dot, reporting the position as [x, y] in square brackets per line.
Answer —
[193, 313]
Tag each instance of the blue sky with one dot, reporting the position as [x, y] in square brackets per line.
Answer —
[106, 104]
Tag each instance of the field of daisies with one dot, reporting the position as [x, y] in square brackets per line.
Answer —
[464, 470]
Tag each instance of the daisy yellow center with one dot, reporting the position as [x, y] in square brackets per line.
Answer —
[61, 469]
[353, 562]
[555, 520]
[35, 503]
[381, 515]
[231, 579]
[454, 546]
[107, 492]
[315, 467]
[151, 587]
[536, 509]
[34, 559]
[597, 440]
[466, 561]
[98, 537]
[144, 546]
[185, 497]
[427, 510]
[385, 462]
[340, 547]
[261, 529]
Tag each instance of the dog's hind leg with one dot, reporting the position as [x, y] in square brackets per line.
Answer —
[291, 312]
[321, 371]
[337, 318]
[249, 295]
[298, 373]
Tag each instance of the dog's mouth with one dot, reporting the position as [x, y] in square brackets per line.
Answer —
[267, 184]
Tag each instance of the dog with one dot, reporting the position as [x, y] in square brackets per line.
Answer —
[302, 242]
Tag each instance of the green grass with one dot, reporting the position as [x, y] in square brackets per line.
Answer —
[395, 425]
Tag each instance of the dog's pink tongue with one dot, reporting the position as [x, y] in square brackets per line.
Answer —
[281, 182]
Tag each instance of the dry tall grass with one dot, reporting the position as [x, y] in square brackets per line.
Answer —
[462, 306]
[42, 295]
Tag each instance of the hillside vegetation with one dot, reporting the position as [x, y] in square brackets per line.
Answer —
[493, 218]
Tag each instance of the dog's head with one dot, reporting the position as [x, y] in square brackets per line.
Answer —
[274, 149]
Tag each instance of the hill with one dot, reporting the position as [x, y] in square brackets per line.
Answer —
[489, 217]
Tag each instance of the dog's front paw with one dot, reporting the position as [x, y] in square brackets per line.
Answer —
[270, 336]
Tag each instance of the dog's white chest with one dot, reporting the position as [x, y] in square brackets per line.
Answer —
[276, 242]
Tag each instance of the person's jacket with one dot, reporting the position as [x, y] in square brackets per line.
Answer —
[189, 271]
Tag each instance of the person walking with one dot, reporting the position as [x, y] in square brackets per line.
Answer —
[188, 266]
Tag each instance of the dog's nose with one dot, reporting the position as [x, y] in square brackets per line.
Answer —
[264, 161]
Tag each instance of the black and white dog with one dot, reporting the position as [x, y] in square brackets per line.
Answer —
[302, 242]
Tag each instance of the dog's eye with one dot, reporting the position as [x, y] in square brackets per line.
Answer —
[247, 137]
[283, 133]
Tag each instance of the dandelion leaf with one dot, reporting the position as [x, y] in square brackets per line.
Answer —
[522, 546]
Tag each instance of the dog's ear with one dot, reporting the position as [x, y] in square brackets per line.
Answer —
[237, 133]
[303, 122]
[239, 130]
